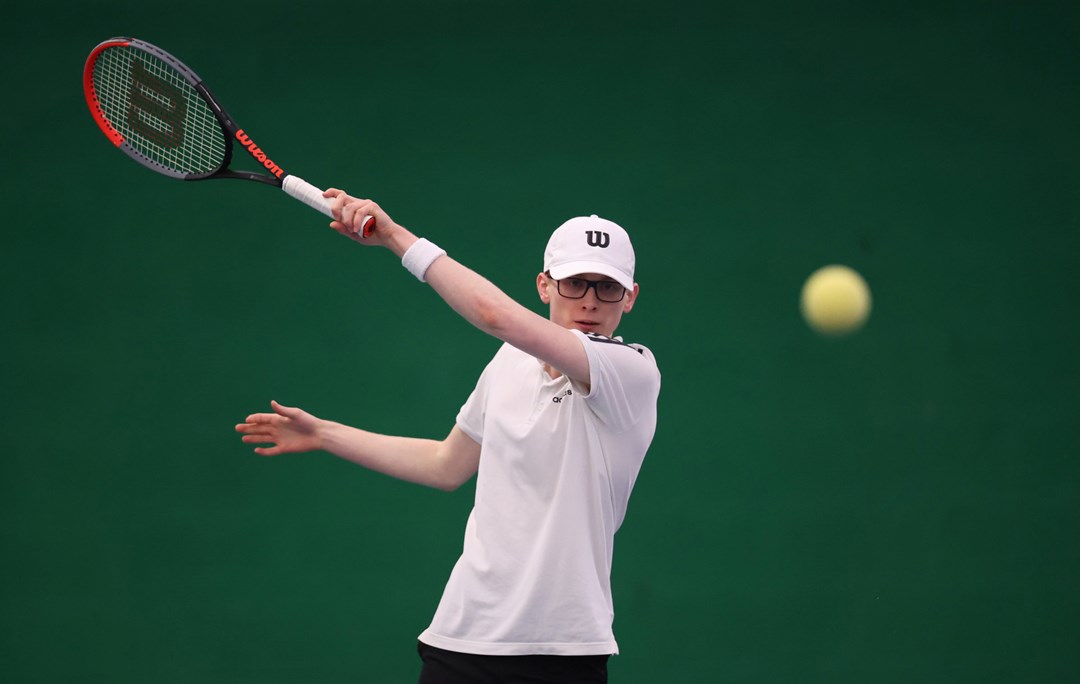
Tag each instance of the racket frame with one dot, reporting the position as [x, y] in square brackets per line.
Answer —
[277, 177]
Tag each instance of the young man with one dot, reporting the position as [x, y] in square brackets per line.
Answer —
[555, 432]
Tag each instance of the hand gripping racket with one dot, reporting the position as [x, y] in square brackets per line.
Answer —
[159, 113]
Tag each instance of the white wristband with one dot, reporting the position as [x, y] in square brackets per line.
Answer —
[419, 257]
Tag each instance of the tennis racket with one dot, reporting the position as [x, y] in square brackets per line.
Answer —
[159, 113]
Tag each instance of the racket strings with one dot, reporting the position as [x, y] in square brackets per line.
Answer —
[159, 113]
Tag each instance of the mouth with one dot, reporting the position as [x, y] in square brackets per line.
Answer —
[587, 324]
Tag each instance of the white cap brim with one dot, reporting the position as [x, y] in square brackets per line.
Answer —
[573, 268]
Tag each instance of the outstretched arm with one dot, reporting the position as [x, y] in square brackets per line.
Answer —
[474, 297]
[445, 464]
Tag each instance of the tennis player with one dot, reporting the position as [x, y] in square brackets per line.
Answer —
[555, 432]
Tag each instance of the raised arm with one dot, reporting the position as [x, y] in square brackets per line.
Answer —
[471, 295]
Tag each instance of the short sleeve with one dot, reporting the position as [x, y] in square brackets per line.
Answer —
[470, 417]
[624, 380]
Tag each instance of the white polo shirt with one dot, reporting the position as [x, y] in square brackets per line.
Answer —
[557, 466]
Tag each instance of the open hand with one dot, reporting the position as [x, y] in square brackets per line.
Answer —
[289, 430]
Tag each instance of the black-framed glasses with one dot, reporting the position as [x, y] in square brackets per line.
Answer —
[575, 288]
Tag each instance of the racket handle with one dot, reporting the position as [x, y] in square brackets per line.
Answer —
[310, 195]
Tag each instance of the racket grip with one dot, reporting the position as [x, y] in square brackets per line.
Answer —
[312, 196]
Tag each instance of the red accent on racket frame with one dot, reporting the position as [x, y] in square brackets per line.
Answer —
[257, 153]
[91, 95]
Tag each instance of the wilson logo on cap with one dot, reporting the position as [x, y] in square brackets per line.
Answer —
[597, 238]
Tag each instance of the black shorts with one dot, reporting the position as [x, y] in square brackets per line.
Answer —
[451, 667]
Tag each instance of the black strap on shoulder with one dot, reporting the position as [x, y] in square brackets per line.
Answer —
[597, 337]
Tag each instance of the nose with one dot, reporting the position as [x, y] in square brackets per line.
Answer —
[590, 300]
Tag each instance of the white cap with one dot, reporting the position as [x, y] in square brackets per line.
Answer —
[590, 244]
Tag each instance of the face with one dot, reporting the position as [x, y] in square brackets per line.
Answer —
[588, 314]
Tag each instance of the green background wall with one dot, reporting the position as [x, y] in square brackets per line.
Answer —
[901, 505]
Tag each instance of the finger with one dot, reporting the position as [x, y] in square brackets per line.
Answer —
[338, 202]
[341, 229]
[258, 439]
[334, 193]
[362, 217]
[287, 411]
[347, 213]
[351, 213]
[268, 451]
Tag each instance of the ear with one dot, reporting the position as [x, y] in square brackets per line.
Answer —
[631, 297]
[543, 287]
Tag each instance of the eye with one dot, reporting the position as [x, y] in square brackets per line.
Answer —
[576, 283]
[609, 287]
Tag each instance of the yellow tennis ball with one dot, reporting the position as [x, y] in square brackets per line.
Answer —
[835, 300]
